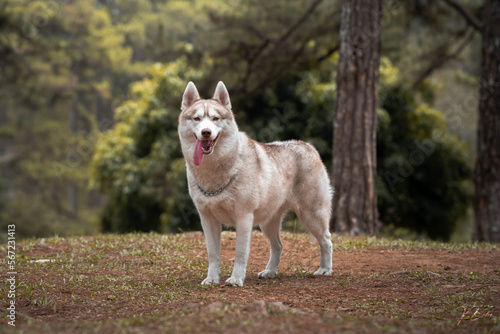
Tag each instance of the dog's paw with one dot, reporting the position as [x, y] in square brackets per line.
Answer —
[210, 281]
[323, 271]
[234, 281]
[267, 274]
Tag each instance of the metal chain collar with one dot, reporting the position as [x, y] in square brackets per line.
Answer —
[216, 192]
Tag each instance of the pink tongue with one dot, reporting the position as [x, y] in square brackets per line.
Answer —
[198, 153]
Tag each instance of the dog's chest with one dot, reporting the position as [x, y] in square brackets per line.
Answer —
[222, 210]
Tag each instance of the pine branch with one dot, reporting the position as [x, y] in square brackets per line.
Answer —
[442, 58]
[9, 158]
[328, 53]
[471, 19]
[300, 21]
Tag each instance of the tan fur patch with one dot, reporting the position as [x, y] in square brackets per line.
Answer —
[190, 112]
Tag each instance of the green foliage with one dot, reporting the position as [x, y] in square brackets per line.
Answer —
[299, 106]
[130, 160]
[424, 178]
[67, 65]
[255, 44]
[139, 163]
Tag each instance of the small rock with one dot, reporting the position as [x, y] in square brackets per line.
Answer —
[214, 307]
[282, 307]
[345, 309]
[191, 306]
[257, 307]
[452, 286]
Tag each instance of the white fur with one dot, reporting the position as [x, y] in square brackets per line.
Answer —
[263, 182]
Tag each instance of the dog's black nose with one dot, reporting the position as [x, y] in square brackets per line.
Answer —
[206, 133]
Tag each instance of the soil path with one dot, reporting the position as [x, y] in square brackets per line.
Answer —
[96, 279]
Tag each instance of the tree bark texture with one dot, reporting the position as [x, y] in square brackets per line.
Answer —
[487, 171]
[355, 122]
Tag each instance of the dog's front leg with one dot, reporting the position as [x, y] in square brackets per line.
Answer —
[212, 231]
[243, 235]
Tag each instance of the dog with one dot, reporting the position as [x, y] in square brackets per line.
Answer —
[236, 181]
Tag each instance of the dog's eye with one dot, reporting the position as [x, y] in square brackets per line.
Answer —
[197, 119]
[216, 119]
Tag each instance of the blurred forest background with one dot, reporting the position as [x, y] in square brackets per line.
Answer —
[90, 93]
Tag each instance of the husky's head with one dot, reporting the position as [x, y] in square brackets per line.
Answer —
[203, 123]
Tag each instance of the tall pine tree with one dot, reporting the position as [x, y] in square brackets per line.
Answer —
[355, 125]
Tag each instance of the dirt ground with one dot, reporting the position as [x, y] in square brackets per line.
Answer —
[150, 283]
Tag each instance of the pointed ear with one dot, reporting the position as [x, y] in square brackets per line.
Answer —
[190, 96]
[222, 96]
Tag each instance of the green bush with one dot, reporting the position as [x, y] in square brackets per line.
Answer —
[139, 164]
[424, 180]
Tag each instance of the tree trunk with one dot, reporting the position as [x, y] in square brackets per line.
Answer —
[487, 171]
[355, 124]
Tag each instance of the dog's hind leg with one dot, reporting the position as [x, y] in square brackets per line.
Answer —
[272, 232]
[317, 223]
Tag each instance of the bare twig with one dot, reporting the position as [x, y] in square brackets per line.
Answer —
[471, 19]
[9, 158]
[299, 21]
[433, 273]
[328, 53]
[440, 60]
[466, 314]
[259, 56]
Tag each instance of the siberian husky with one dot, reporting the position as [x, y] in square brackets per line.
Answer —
[236, 181]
